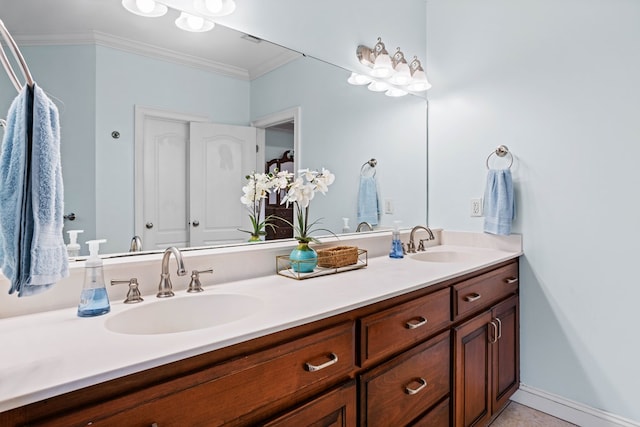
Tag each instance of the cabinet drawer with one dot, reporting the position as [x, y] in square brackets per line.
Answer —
[244, 390]
[336, 408]
[480, 292]
[401, 389]
[436, 417]
[399, 327]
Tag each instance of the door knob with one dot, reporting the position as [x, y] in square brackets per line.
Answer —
[149, 225]
[196, 223]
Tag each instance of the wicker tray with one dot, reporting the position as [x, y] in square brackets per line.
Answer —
[339, 256]
[285, 267]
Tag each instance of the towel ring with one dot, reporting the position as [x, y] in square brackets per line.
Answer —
[372, 165]
[501, 151]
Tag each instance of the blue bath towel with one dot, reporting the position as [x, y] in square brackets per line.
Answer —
[32, 250]
[499, 202]
[368, 200]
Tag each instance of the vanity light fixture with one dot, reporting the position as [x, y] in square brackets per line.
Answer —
[195, 15]
[389, 74]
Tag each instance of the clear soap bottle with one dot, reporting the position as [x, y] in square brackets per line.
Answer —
[94, 300]
[396, 244]
[73, 248]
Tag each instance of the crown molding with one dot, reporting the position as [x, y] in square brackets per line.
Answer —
[140, 48]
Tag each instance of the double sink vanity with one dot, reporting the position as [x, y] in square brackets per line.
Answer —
[428, 340]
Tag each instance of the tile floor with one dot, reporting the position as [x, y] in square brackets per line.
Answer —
[517, 415]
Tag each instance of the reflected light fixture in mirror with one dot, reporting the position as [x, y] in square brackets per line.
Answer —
[195, 15]
[391, 75]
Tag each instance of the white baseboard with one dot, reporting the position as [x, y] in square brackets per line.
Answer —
[568, 410]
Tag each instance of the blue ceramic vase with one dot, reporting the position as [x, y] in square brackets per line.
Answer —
[303, 258]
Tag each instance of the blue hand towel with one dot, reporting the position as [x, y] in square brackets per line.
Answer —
[368, 200]
[499, 202]
[32, 251]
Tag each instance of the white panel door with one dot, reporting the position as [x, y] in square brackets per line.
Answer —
[220, 156]
[165, 193]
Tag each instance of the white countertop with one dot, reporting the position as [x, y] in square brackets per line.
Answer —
[50, 353]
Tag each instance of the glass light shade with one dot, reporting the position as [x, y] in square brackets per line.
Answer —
[196, 24]
[214, 7]
[402, 75]
[358, 79]
[148, 8]
[419, 82]
[376, 86]
[396, 92]
[382, 66]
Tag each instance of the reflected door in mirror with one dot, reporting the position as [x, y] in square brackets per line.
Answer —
[274, 206]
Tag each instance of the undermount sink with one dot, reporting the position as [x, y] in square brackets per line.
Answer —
[446, 256]
[183, 314]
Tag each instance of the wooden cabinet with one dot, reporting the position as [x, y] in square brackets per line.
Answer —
[336, 408]
[397, 328]
[486, 363]
[400, 390]
[444, 355]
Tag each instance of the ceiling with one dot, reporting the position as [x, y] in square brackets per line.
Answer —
[106, 22]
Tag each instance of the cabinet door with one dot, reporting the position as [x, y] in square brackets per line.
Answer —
[336, 408]
[472, 371]
[506, 355]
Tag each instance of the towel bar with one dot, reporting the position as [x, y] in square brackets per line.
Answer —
[501, 151]
[372, 164]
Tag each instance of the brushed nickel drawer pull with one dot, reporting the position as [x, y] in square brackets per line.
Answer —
[416, 323]
[472, 297]
[495, 333]
[333, 359]
[511, 280]
[423, 384]
[499, 328]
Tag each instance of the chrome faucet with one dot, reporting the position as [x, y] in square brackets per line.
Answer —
[412, 245]
[136, 244]
[165, 289]
[362, 225]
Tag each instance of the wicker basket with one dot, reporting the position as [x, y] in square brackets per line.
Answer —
[339, 256]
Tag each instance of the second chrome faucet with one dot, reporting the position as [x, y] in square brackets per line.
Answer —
[165, 289]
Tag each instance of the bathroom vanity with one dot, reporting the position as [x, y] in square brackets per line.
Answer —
[398, 350]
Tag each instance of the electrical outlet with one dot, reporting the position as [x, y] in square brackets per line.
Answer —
[476, 207]
[388, 206]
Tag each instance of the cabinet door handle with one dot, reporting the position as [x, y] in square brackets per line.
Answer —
[423, 384]
[511, 280]
[499, 328]
[495, 333]
[472, 297]
[333, 359]
[416, 323]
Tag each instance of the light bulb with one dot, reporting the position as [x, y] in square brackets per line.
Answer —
[376, 86]
[213, 6]
[358, 79]
[145, 6]
[195, 22]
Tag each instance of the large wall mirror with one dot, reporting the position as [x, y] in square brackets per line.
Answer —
[102, 64]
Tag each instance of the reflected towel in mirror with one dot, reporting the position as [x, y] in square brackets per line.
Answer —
[368, 200]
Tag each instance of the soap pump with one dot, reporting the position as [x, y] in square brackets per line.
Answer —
[345, 225]
[94, 300]
[73, 248]
[396, 243]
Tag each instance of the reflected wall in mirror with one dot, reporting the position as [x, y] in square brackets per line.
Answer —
[99, 73]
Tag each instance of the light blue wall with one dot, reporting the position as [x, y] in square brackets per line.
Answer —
[124, 80]
[557, 82]
[391, 130]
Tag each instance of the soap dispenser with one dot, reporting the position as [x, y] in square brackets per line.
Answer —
[396, 243]
[94, 300]
[73, 248]
[345, 225]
